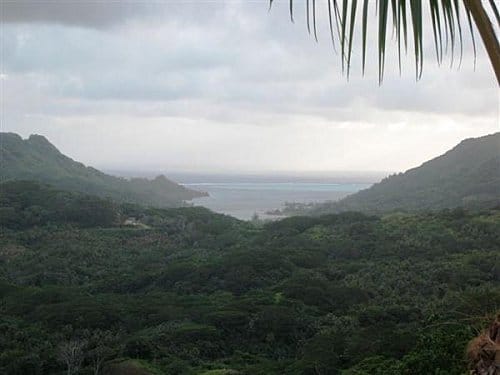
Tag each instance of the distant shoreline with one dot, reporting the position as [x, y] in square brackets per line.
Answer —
[244, 200]
[198, 178]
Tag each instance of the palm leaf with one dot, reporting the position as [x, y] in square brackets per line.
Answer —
[382, 29]
[445, 20]
[364, 23]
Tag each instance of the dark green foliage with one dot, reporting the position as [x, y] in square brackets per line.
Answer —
[25, 204]
[37, 159]
[466, 176]
[191, 292]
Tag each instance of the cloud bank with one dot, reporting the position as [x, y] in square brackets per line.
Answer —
[225, 86]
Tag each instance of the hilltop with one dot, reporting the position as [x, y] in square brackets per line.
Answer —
[466, 176]
[35, 158]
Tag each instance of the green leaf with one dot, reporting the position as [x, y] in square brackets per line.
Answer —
[351, 33]
[314, 19]
[330, 22]
[365, 26]
[416, 16]
[308, 17]
[445, 20]
[459, 24]
[343, 24]
[471, 29]
[382, 30]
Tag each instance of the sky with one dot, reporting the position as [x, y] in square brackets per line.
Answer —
[227, 86]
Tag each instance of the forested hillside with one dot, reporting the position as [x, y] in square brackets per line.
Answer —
[187, 291]
[466, 176]
[37, 159]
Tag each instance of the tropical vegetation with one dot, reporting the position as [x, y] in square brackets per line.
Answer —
[466, 176]
[187, 291]
[35, 158]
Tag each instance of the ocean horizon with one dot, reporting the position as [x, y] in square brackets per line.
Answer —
[245, 195]
[243, 200]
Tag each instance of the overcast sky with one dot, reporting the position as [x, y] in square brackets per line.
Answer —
[225, 86]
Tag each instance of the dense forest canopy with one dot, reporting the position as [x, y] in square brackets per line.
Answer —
[187, 291]
[113, 276]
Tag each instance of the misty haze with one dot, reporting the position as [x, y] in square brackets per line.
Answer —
[249, 187]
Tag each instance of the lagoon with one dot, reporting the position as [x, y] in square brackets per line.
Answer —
[243, 199]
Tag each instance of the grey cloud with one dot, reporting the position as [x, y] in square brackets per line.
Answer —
[94, 14]
[223, 65]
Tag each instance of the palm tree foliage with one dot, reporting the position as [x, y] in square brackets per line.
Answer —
[449, 19]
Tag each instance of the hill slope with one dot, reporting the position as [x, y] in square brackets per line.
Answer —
[202, 293]
[37, 159]
[466, 176]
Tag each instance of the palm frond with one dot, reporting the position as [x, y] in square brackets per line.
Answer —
[364, 31]
[416, 16]
[407, 16]
[495, 11]
[382, 30]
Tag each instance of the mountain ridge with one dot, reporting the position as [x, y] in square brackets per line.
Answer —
[468, 176]
[36, 158]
